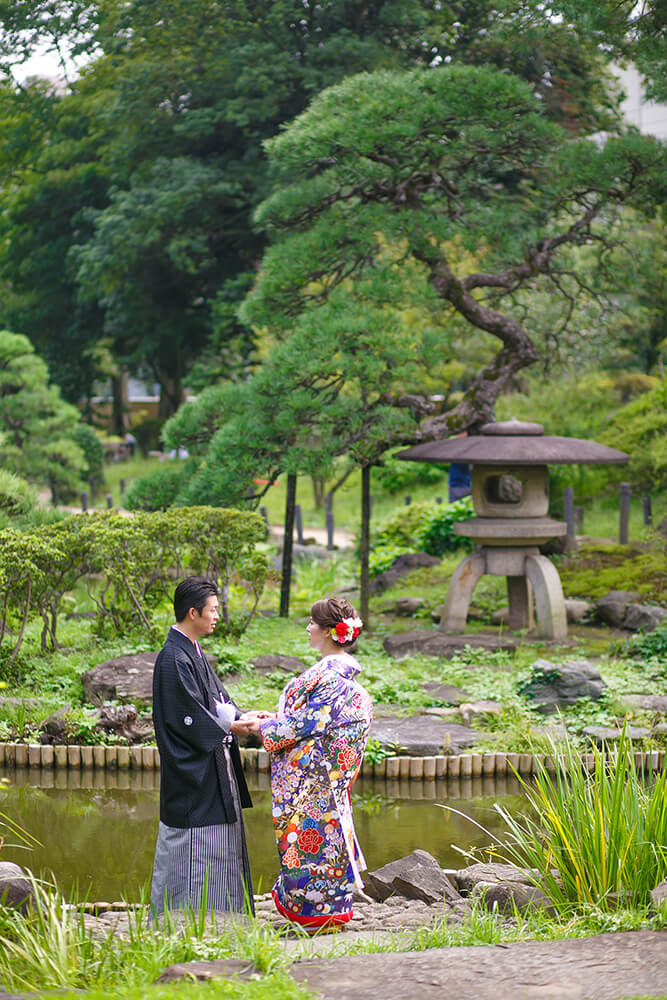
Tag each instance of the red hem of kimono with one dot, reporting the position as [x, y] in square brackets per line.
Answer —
[323, 921]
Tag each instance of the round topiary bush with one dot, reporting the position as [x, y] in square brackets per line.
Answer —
[156, 491]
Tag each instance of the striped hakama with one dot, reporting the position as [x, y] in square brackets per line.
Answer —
[191, 860]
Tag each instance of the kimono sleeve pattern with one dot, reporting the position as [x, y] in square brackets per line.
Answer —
[316, 743]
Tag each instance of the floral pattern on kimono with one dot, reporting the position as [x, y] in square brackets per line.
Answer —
[317, 742]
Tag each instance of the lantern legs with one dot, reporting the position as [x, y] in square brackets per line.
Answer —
[549, 601]
[465, 579]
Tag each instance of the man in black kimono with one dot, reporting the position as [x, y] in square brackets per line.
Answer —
[201, 845]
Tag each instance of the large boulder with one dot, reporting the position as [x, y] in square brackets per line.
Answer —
[124, 678]
[16, 889]
[423, 735]
[124, 721]
[554, 684]
[643, 617]
[54, 728]
[489, 874]
[611, 608]
[612, 734]
[508, 897]
[270, 662]
[647, 702]
[432, 642]
[416, 876]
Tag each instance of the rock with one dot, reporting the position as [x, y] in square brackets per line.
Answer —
[469, 711]
[489, 874]
[507, 897]
[576, 611]
[16, 889]
[125, 679]
[446, 692]
[659, 895]
[54, 728]
[649, 702]
[123, 720]
[660, 729]
[609, 734]
[407, 606]
[401, 565]
[552, 685]
[219, 968]
[643, 617]
[423, 735]
[416, 876]
[611, 608]
[432, 642]
[500, 616]
[274, 661]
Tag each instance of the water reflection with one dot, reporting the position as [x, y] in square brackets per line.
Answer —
[97, 829]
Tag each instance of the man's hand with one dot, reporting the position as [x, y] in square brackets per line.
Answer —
[250, 722]
[243, 726]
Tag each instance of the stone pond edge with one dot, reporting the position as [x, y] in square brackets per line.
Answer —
[145, 758]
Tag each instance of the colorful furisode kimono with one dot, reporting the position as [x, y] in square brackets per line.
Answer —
[316, 742]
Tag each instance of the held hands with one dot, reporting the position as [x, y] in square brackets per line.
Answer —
[249, 722]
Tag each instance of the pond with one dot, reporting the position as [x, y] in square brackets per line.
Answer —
[96, 830]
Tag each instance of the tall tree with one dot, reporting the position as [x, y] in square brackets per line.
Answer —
[426, 159]
[172, 110]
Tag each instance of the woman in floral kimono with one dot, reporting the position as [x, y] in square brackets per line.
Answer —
[316, 742]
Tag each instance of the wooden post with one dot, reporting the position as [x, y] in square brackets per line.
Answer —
[84, 501]
[290, 504]
[568, 511]
[109, 501]
[648, 513]
[364, 547]
[624, 519]
[408, 501]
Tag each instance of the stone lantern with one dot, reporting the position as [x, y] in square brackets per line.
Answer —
[510, 494]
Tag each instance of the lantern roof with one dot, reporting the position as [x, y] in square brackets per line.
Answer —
[514, 442]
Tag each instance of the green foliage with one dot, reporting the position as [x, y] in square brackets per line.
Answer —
[137, 558]
[93, 451]
[423, 527]
[647, 646]
[16, 496]
[394, 475]
[640, 429]
[435, 535]
[38, 427]
[156, 491]
[12, 671]
[596, 840]
[596, 569]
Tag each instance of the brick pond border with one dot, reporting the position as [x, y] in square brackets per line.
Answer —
[146, 758]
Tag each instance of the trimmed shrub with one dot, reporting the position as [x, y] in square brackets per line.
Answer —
[93, 451]
[156, 491]
[16, 496]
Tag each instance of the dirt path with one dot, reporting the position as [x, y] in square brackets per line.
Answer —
[606, 967]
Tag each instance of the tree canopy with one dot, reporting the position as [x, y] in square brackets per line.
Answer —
[127, 199]
[432, 162]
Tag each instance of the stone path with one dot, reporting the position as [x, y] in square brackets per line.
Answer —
[607, 967]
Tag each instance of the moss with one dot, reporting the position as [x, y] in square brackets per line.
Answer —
[598, 569]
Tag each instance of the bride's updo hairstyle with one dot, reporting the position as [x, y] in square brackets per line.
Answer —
[338, 615]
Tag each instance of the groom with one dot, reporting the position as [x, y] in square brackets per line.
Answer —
[201, 845]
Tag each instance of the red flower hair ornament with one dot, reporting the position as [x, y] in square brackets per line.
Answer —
[347, 630]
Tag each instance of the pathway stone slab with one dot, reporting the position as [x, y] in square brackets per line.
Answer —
[423, 735]
[607, 967]
[432, 642]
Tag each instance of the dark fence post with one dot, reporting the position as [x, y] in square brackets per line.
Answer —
[298, 520]
[109, 501]
[408, 501]
[648, 513]
[624, 519]
[438, 500]
[84, 501]
[568, 510]
[122, 487]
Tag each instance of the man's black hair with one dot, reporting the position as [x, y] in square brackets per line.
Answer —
[193, 592]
